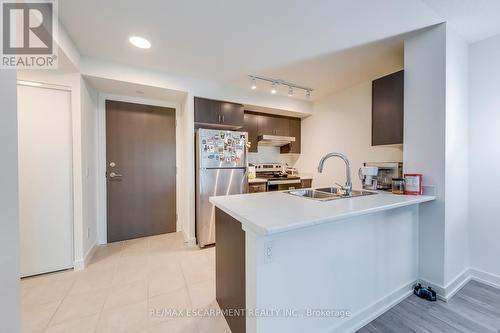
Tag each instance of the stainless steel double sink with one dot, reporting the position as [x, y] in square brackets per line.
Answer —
[327, 193]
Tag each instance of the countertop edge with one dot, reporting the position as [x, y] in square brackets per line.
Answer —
[246, 224]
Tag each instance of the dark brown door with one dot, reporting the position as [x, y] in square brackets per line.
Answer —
[140, 155]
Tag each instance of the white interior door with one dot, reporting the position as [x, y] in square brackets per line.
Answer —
[45, 179]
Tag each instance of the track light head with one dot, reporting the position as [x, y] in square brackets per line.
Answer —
[254, 84]
[290, 91]
[308, 93]
[274, 89]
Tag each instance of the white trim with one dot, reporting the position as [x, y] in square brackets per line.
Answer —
[90, 253]
[374, 310]
[484, 277]
[81, 264]
[31, 83]
[101, 158]
[384, 304]
[189, 241]
[447, 292]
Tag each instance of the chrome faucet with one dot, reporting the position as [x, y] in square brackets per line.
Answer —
[348, 182]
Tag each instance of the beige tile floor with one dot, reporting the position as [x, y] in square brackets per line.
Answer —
[123, 286]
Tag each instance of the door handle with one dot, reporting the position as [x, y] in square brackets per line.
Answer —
[115, 175]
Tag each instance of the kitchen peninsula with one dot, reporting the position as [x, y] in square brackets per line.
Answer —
[322, 266]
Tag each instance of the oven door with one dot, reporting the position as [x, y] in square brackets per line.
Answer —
[283, 184]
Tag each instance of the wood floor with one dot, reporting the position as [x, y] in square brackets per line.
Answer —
[475, 308]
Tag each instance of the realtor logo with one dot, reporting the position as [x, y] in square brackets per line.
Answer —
[28, 31]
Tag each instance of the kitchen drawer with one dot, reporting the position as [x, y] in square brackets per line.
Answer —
[254, 188]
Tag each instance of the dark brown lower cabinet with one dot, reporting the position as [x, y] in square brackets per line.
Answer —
[230, 268]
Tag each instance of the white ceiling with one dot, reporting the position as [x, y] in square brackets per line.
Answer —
[473, 19]
[121, 88]
[339, 70]
[324, 44]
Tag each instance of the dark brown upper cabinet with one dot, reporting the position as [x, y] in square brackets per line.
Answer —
[388, 109]
[295, 131]
[274, 125]
[257, 124]
[210, 113]
[251, 125]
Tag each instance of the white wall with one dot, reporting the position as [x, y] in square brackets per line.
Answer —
[484, 217]
[424, 140]
[342, 122]
[10, 308]
[457, 156]
[89, 165]
[436, 145]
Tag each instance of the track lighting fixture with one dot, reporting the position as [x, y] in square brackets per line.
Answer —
[276, 82]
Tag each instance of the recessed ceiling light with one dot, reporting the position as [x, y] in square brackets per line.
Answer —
[140, 42]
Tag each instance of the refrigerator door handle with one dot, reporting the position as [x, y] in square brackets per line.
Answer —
[244, 182]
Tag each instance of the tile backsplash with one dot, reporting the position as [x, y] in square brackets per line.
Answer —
[272, 155]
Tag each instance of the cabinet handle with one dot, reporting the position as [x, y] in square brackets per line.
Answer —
[219, 119]
[222, 118]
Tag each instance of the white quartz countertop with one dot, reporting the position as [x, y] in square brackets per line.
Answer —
[275, 212]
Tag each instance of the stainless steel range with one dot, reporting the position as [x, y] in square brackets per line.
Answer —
[277, 177]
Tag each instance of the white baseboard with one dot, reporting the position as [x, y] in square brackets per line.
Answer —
[189, 241]
[80, 264]
[374, 310]
[378, 308]
[485, 277]
[447, 292]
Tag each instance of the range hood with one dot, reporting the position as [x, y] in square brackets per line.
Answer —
[274, 140]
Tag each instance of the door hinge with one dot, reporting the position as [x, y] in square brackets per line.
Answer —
[176, 217]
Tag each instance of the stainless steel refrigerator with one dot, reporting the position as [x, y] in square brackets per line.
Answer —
[221, 169]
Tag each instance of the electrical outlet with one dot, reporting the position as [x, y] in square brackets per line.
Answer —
[268, 252]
